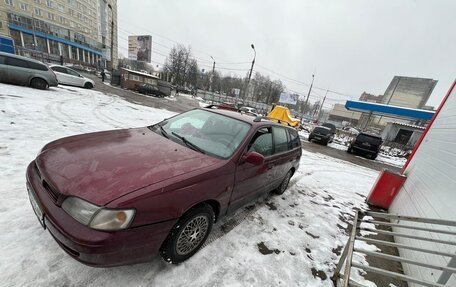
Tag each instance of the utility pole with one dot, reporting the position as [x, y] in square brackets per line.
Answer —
[308, 94]
[250, 73]
[212, 75]
[321, 107]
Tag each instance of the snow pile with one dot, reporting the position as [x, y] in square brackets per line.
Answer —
[289, 240]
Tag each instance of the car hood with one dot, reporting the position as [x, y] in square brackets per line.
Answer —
[101, 167]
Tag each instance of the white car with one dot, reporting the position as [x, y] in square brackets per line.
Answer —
[67, 76]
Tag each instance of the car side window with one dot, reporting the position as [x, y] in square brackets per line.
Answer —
[280, 139]
[59, 69]
[72, 73]
[16, 62]
[294, 139]
[2, 60]
[37, 66]
[262, 142]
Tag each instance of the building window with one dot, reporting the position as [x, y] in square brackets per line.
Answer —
[24, 6]
[38, 12]
[51, 16]
[135, 78]
[1, 25]
[9, 2]
[71, 12]
[49, 3]
[37, 1]
[62, 20]
[61, 8]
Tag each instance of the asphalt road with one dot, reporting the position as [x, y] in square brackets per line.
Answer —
[182, 104]
[178, 104]
[343, 155]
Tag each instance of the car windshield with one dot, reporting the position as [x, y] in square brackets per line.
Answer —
[322, 130]
[205, 131]
[369, 139]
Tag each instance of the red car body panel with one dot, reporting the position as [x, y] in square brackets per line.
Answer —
[140, 169]
[111, 164]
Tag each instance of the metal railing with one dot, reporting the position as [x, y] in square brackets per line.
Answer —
[343, 279]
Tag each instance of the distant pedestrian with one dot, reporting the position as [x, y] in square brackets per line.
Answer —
[103, 75]
[61, 60]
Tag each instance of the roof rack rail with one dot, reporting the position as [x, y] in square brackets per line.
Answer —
[259, 118]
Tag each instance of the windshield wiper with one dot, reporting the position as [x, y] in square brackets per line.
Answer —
[164, 133]
[187, 143]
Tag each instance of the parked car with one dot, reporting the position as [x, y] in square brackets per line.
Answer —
[23, 71]
[249, 110]
[366, 144]
[120, 196]
[333, 130]
[149, 89]
[320, 134]
[68, 76]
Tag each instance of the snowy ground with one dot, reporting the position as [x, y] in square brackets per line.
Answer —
[289, 240]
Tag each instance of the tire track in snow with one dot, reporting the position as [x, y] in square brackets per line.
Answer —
[97, 111]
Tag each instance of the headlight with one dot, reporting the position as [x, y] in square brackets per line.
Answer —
[112, 219]
[97, 217]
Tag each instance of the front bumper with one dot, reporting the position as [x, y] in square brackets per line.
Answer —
[93, 247]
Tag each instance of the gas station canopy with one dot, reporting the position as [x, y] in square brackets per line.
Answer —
[387, 110]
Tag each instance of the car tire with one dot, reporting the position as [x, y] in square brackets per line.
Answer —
[88, 86]
[374, 156]
[188, 234]
[38, 83]
[284, 184]
[309, 139]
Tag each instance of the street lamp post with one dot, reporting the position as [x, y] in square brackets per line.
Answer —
[212, 75]
[251, 69]
[310, 89]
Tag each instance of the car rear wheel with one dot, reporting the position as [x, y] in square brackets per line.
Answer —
[88, 85]
[188, 235]
[284, 185]
[38, 83]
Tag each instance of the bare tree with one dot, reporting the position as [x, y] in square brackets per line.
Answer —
[182, 67]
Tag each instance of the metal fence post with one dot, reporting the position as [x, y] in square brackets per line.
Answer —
[445, 276]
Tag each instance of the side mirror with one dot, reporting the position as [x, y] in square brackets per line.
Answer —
[253, 158]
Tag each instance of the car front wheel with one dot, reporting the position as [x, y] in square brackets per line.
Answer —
[188, 235]
[88, 85]
[284, 185]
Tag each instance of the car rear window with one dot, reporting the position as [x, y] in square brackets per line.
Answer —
[37, 66]
[368, 138]
[322, 130]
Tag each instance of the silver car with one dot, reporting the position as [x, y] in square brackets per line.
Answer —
[20, 70]
[67, 76]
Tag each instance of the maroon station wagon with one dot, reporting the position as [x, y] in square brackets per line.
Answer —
[117, 197]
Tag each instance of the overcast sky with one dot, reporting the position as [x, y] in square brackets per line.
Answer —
[351, 46]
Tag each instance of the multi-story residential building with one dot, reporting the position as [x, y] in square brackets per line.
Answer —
[82, 31]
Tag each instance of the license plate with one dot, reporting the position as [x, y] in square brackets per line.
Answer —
[366, 144]
[318, 138]
[36, 208]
